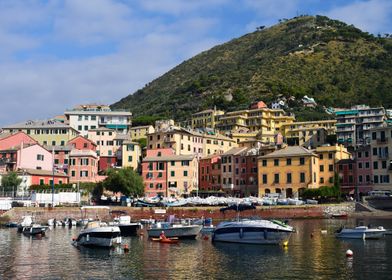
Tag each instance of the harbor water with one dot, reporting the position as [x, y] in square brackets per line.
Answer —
[311, 254]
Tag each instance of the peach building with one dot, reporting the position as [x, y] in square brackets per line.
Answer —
[83, 166]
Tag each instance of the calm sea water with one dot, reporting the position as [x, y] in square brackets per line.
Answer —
[319, 257]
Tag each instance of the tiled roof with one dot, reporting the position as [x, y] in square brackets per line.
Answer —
[42, 172]
[290, 151]
[169, 158]
[38, 124]
[235, 151]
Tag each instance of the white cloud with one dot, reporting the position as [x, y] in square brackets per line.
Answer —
[373, 16]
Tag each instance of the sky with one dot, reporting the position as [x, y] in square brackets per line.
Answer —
[56, 54]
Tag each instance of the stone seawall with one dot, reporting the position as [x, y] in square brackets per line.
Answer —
[279, 212]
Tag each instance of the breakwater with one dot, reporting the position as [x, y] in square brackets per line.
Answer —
[278, 212]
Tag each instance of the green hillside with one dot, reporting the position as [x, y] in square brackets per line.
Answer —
[336, 63]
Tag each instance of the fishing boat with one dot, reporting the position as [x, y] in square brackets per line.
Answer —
[361, 232]
[96, 235]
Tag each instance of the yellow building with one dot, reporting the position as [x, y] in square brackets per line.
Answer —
[328, 158]
[46, 132]
[139, 132]
[311, 133]
[131, 155]
[189, 142]
[260, 119]
[206, 118]
[287, 171]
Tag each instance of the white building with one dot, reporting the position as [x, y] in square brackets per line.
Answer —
[87, 117]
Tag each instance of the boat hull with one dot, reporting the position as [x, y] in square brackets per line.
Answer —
[183, 232]
[130, 229]
[369, 234]
[380, 202]
[101, 237]
[33, 230]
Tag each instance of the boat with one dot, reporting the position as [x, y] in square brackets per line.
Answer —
[311, 201]
[361, 232]
[166, 240]
[295, 201]
[126, 227]
[252, 232]
[182, 231]
[29, 227]
[96, 235]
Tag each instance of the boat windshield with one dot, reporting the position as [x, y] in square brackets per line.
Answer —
[93, 224]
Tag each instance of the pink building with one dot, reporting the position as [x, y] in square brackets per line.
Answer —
[210, 173]
[364, 168]
[9, 141]
[42, 177]
[82, 143]
[83, 166]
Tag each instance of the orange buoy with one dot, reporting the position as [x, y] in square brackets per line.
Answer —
[126, 248]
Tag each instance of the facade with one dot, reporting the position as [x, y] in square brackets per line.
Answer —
[312, 133]
[328, 159]
[88, 117]
[210, 173]
[381, 157]
[206, 118]
[41, 177]
[8, 140]
[82, 143]
[131, 155]
[347, 170]
[140, 132]
[287, 171]
[265, 121]
[83, 166]
[188, 142]
[105, 141]
[61, 157]
[353, 126]
[167, 174]
[364, 168]
[46, 132]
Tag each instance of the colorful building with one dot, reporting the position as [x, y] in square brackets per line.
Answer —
[206, 119]
[288, 171]
[8, 140]
[167, 174]
[131, 155]
[347, 169]
[328, 158]
[364, 168]
[83, 166]
[89, 117]
[210, 173]
[140, 132]
[46, 132]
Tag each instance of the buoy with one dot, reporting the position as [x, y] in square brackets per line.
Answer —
[285, 244]
[349, 253]
[126, 248]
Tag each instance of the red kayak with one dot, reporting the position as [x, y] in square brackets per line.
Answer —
[166, 240]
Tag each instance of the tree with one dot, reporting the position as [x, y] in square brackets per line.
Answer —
[125, 180]
[10, 182]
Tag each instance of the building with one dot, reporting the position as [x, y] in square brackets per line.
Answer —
[8, 140]
[187, 141]
[288, 171]
[61, 157]
[258, 118]
[308, 134]
[206, 119]
[140, 132]
[210, 173]
[239, 171]
[83, 166]
[381, 157]
[167, 174]
[82, 143]
[89, 117]
[353, 125]
[46, 132]
[131, 155]
[364, 168]
[329, 156]
[41, 177]
[347, 169]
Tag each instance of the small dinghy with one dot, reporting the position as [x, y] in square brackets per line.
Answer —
[166, 240]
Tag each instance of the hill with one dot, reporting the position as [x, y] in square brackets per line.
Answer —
[337, 64]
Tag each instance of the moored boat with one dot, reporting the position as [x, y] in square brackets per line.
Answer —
[183, 231]
[96, 235]
[28, 227]
[126, 227]
[361, 232]
[252, 232]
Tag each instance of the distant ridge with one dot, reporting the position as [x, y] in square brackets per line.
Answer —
[337, 64]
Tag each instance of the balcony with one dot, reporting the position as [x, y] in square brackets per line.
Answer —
[382, 140]
[168, 140]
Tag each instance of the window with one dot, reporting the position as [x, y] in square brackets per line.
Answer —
[172, 163]
[73, 173]
[360, 178]
[40, 157]
[375, 165]
[276, 178]
[160, 175]
[62, 143]
[185, 173]
[330, 167]
[172, 173]
[359, 154]
[41, 181]
[384, 164]
[321, 180]
[375, 179]
[330, 155]
[301, 161]
[109, 153]
[302, 177]
[374, 151]
[367, 165]
[151, 185]
[185, 163]
[374, 135]
[159, 154]
[93, 118]
[288, 161]
[321, 168]
[321, 156]
[276, 162]
[264, 178]
[360, 165]
[160, 166]
[129, 158]
[53, 143]
[56, 161]
[86, 127]
[264, 162]
[289, 178]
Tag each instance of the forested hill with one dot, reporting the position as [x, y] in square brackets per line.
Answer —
[336, 63]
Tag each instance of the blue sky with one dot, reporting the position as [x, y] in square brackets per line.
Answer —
[55, 54]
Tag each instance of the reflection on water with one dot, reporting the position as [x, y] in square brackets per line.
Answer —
[311, 254]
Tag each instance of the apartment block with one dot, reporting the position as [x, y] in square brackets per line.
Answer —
[206, 118]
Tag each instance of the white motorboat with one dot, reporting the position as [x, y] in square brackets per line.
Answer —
[182, 231]
[252, 232]
[126, 227]
[29, 227]
[96, 235]
[361, 232]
